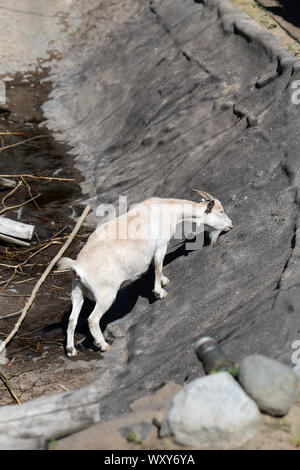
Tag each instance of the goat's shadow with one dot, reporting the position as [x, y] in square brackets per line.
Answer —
[125, 301]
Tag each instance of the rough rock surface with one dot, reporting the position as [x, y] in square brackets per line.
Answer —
[272, 385]
[212, 412]
[179, 95]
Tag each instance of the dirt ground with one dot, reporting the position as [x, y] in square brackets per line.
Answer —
[285, 32]
[139, 430]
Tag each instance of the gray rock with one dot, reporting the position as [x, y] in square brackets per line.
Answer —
[271, 384]
[212, 412]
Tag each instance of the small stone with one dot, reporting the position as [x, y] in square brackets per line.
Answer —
[212, 412]
[269, 383]
[252, 121]
[116, 331]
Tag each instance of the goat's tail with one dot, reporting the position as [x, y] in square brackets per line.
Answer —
[65, 263]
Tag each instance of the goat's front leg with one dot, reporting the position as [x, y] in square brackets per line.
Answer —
[160, 279]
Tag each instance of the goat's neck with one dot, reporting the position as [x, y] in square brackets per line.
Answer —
[188, 210]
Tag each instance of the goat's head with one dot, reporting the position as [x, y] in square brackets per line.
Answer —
[215, 219]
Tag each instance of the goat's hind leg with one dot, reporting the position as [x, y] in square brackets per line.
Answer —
[77, 302]
[103, 302]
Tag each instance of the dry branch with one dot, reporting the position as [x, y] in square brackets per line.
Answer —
[9, 387]
[11, 193]
[16, 229]
[13, 240]
[15, 133]
[26, 175]
[14, 314]
[30, 192]
[51, 417]
[19, 205]
[23, 142]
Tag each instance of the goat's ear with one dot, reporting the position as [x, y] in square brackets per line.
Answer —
[209, 207]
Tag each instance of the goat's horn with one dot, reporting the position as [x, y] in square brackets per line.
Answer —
[204, 194]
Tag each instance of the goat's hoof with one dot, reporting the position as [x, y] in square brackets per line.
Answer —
[72, 352]
[161, 294]
[104, 347]
[165, 281]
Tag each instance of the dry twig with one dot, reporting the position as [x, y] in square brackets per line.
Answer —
[9, 387]
[19, 205]
[26, 175]
[19, 266]
[23, 142]
[14, 133]
[11, 193]
[30, 192]
[14, 314]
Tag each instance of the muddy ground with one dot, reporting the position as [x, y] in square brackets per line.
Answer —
[37, 364]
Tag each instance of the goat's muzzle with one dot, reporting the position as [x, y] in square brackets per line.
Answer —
[228, 227]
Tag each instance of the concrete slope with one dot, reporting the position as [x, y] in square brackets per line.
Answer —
[175, 95]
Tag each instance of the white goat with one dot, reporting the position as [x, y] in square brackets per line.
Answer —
[121, 250]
